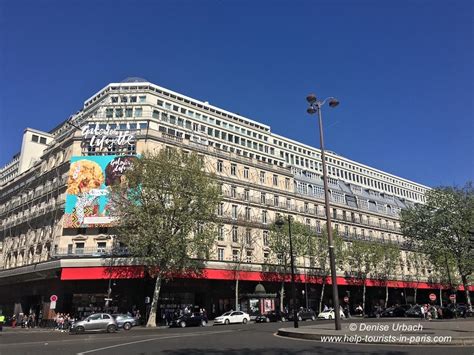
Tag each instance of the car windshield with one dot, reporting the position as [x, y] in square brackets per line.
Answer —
[226, 314]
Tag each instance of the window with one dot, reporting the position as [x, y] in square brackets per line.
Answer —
[138, 112]
[246, 194]
[142, 98]
[266, 257]
[114, 99]
[34, 138]
[265, 239]
[42, 140]
[346, 231]
[248, 236]
[235, 255]
[220, 209]
[287, 183]
[262, 197]
[233, 169]
[275, 180]
[233, 192]
[264, 217]
[262, 177]
[276, 200]
[249, 256]
[118, 112]
[109, 113]
[318, 226]
[101, 247]
[79, 248]
[235, 237]
[220, 254]
[219, 166]
[220, 233]
[246, 172]
[247, 213]
[133, 99]
[234, 211]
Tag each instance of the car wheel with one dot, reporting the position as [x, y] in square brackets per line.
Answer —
[283, 319]
[80, 330]
[111, 328]
[127, 326]
[227, 322]
[182, 324]
[203, 323]
[244, 321]
[313, 318]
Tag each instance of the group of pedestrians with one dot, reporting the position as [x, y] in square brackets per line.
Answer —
[63, 321]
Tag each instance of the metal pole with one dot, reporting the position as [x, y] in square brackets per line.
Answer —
[332, 260]
[293, 287]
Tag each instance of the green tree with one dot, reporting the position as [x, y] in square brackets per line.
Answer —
[318, 250]
[363, 259]
[279, 243]
[441, 227]
[389, 256]
[166, 215]
[413, 261]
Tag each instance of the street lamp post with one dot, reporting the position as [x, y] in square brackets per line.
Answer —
[279, 222]
[315, 106]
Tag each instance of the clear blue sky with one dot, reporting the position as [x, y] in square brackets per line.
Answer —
[403, 70]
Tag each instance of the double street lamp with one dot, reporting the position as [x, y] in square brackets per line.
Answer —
[315, 107]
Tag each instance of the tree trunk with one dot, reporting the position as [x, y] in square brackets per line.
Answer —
[154, 304]
[363, 300]
[415, 295]
[237, 295]
[282, 296]
[466, 289]
[386, 294]
[322, 296]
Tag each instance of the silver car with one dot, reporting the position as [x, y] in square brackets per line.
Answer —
[125, 321]
[95, 322]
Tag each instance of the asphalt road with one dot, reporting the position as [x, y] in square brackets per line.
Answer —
[231, 339]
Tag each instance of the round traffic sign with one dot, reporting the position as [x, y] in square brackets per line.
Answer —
[432, 297]
[346, 299]
[53, 298]
[452, 297]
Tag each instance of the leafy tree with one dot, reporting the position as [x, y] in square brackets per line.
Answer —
[279, 243]
[413, 260]
[318, 250]
[166, 215]
[441, 227]
[363, 259]
[389, 255]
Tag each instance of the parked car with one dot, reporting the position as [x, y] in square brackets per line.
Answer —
[414, 312]
[456, 311]
[273, 316]
[329, 314]
[395, 311]
[232, 317]
[125, 321]
[189, 320]
[95, 322]
[303, 314]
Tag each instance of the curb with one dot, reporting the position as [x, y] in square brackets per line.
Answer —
[314, 336]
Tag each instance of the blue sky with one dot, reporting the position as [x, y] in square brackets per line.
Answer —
[402, 70]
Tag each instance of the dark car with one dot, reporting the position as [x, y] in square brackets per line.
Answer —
[303, 314]
[456, 311]
[273, 316]
[189, 320]
[395, 311]
[414, 312]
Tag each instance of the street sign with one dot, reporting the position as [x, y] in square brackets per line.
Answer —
[147, 300]
[52, 305]
[53, 298]
[346, 299]
[432, 297]
[108, 299]
[452, 297]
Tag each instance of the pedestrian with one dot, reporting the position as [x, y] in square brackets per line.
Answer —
[14, 321]
[2, 320]
[422, 312]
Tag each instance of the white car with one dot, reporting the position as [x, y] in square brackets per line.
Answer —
[329, 314]
[232, 317]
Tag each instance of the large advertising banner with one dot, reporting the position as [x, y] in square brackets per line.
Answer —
[89, 178]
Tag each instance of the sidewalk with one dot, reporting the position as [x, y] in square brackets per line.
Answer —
[401, 331]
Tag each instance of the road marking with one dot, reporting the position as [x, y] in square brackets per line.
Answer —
[153, 339]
